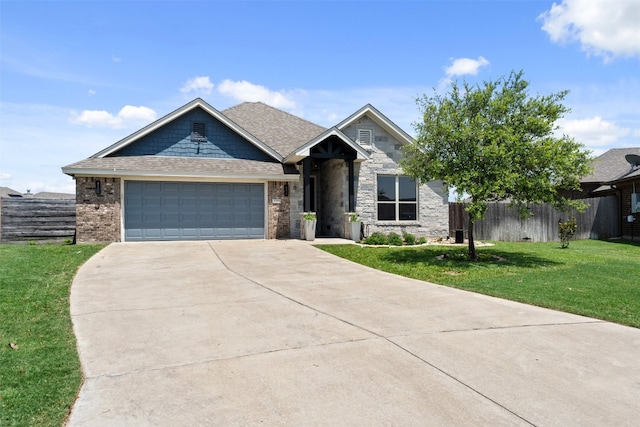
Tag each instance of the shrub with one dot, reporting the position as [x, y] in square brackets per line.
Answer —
[409, 239]
[376, 238]
[422, 240]
[395, 239]
[566, 230]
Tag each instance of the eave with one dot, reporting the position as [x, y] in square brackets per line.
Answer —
[382, 120]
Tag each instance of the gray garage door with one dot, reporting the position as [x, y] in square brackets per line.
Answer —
[193, 210]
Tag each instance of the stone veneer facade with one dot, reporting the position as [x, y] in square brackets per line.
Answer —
[279, 220]
[98, 215]
[433, 206]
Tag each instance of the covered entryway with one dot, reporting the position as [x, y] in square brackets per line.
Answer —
[155, 210]
[329, 184]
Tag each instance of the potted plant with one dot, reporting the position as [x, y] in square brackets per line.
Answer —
[309, 220]
[354, 220]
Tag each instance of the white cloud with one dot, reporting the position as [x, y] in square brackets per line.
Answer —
[461, 67]
[245, 91]
[116, 58]
[593, 132]
[128, 115]
[603, 27]
[465, 66]
[4, 176]
[200, 84]
[91, 92]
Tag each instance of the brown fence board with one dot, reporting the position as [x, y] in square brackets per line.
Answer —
[501, 223]
[24, 220]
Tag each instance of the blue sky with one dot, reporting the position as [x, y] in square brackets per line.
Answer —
[77, 76]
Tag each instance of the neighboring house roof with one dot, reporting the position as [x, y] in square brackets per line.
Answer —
[278, 129]
[382, 120]
[51, 195]
[196, 103]
[161, 166]
[6, 191]
[611, 166]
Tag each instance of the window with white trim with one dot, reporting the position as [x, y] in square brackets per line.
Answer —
[397, 198]
[365, 138]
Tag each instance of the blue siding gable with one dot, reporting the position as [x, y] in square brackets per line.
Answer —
[174, 139]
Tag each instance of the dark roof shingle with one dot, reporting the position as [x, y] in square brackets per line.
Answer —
[280, 130]
[611, 165]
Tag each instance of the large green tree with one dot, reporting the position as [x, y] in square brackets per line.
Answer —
[496, 142]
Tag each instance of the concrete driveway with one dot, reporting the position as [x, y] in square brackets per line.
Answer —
[281, 333]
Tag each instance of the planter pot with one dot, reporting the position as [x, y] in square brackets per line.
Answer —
[355, 231]
[309, 229]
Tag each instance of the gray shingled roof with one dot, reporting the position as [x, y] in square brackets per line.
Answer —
[5, 191]
[280, 130]
[180, 166]
[53, 195]
[611, 165]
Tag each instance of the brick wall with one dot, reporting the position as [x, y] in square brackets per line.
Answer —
[278, 208]
[98, 215]
[296, 204]
[630, 230]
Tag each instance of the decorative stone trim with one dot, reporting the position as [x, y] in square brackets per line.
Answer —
[278, 208]
[98, 216]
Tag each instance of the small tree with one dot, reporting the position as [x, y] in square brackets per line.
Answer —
[495, 143]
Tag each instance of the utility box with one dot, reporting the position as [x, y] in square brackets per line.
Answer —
[459, 236]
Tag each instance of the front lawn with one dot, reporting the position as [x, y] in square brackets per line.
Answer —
[592, 278]
[39, 367]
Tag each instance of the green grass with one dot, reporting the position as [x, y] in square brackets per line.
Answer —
[40, 379]
[592, 278]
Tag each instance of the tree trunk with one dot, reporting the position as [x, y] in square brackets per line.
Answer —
[473, 256]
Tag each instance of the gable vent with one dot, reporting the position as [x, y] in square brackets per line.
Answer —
[365, 138]
[198, 132]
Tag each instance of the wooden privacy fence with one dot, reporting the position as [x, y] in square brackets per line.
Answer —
[24, 220]
[599, 221]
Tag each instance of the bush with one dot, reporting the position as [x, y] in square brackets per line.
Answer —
[422, 240]
[376, 238]
[566, 230]
[395, 239]
[409, 239]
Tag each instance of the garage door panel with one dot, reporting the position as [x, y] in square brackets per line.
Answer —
[190, 211]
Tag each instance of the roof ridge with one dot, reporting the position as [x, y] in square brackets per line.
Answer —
[276, 109]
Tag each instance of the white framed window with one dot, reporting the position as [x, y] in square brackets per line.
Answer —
[635, 202]
[365, 138]
[397, 198]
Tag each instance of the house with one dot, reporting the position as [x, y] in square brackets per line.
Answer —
[617, 173]
[8, 192]
[250, 171]
[54, 195]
